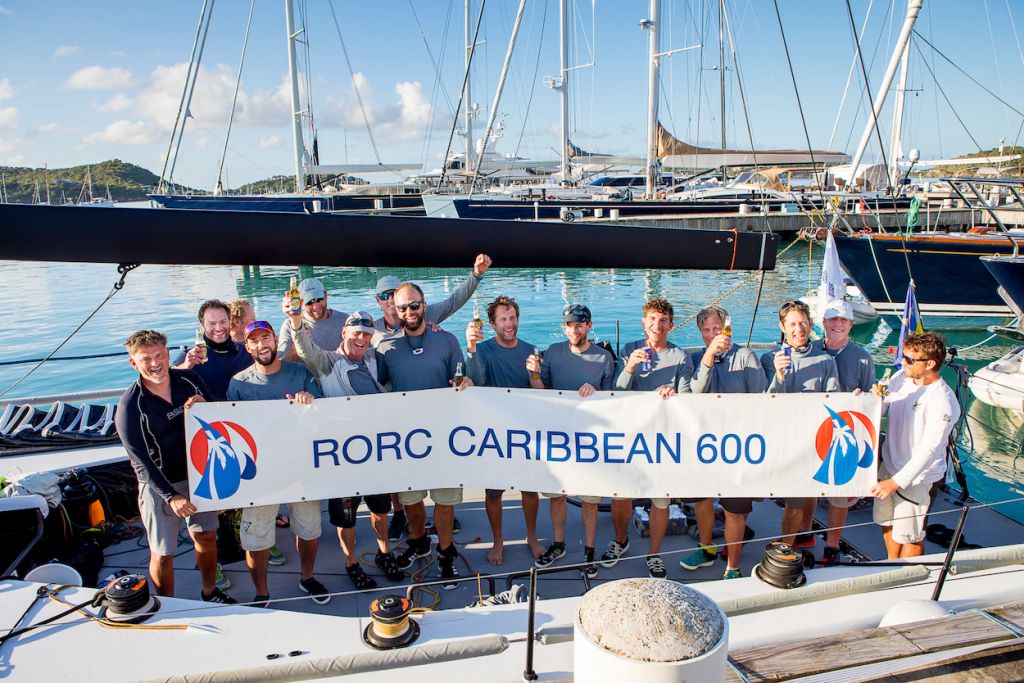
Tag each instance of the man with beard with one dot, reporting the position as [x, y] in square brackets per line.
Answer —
[649, 364]
[414, 359]
[150, 421]
[270, 378]
[351, 370]
[573, 365]
[722, 368]
[222, 358]
[324, 323]
[798, 367]
[501, 362]
[241, 314]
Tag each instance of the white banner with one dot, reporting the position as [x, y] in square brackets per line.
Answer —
[630, 444]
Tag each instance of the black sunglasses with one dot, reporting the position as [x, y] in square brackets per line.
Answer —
[314, 301]
[359, 322]
[414, 305]
[910, 361]
[385, 296]
[793, 304]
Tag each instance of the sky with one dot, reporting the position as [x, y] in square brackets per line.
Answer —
[86, 82]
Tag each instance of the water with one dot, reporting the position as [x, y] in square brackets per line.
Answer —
[53, 298]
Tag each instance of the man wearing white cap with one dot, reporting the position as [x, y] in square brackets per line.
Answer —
[323, 322]
[856, 371]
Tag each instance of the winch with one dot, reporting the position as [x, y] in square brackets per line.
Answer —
[127, 600]
[391, 626]
[782, 566]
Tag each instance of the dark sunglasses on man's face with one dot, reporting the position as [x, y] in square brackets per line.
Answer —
[314, 301]
[910, 361]
[414, 305]
[385, 296]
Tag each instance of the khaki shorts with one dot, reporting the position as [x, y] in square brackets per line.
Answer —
[162, 525]
[905, 510]
[589, 500]
[258, 529]
[660, 503]
[439, 496]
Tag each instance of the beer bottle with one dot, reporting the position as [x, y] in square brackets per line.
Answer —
[645, 366]
[540, 356]
[457, 379]
[476, 318]
[296, 302]
[727, 331]
[883, 384]
[201, 344]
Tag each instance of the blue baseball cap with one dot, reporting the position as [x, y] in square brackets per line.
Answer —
[258, 325]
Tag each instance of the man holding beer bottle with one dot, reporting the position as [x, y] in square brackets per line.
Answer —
[215, 357]
[324, 323]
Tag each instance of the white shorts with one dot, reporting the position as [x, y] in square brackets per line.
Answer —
[842, 502]
[590, 500]
[439, 496]
[905, 510]
[258, 529]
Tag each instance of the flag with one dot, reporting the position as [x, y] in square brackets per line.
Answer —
[911, 322]
[832, 286]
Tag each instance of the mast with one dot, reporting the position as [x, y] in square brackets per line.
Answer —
[293, 76]
[563, 85]
[468, 92]
[654, 48]
[721, 64]
[46, 177]
[895, 147]
[913, 9]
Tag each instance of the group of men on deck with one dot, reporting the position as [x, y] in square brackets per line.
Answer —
[321, 352]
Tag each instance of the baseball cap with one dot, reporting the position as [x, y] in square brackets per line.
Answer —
[838, 309]
[311, 288]
[360, 321]
[576, 313]
[388, 283]
[258, 325]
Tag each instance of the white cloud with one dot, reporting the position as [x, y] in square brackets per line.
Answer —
[99, 78]
[270, 142]
[14, 160]
[45, 129]
[117, 102]
[8, 145]
[8, 116]
[66, 51]
[6, 10]
[126, 132]
[6, 91]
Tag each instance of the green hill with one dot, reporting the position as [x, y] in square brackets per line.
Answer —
[968, 169]
[127, 182]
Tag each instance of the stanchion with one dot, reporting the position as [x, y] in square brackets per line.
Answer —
[528, 673]
[954, 542]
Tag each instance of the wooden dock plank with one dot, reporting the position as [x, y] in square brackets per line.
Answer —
[955, 631]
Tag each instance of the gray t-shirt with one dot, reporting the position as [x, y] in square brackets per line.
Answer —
[426, 361]
[562, 369]
[361, 379]
[855, 366]
[671, 366]
[326, 333]
[737, 373]
[442, 310]
[812, 371]
[493, 365]
[250, 385]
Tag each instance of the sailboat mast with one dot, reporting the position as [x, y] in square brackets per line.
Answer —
[563, 85]
[651, 24]
[895, 147]
[721, 64]
[467, 96]
[293, 76]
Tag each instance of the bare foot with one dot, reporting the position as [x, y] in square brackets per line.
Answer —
[494, 555]
[536, 548]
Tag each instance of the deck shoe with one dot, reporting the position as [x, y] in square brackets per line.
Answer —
[277, 558]
[805, 539]
[731, 573]
[554, 552]
[218, 596]
[223, 583]
[656, 567]
[456, 526]
[396, 527]
[262, 601]
[446, 561]
[701, 557]
[589, 568]
[317, 591]
[360, 580]
[414, 550]
[830, 556]
[610, 558]
[386, 563]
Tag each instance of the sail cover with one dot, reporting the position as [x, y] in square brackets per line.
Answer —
[675, 153]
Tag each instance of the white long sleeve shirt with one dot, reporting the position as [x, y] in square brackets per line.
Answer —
[920, 420]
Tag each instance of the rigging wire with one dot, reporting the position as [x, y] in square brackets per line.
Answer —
[533, 87]
[849, 78]
[939, 88]
[995, 58]
[234, 98]
[355, 85]
[438, 68]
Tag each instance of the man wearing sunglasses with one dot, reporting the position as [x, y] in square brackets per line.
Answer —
[413, 359]
[351, 370]
[573, 365]
[922, 411]
[436, 313]
[798, 367]
[324, 323]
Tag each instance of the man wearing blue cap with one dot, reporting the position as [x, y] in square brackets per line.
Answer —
[324, 323]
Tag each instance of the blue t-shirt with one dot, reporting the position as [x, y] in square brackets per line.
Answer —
[250, 385]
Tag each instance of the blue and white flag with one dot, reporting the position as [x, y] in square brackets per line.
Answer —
[911, 322]
[833, 286]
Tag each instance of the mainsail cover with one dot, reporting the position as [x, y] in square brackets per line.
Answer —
[675, 153]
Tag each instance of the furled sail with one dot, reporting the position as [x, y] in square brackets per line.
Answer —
[675, 153]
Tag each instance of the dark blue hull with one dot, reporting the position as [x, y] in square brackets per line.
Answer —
[1009, 273]
[292, 203]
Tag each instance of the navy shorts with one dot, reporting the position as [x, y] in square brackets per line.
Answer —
[342, 511]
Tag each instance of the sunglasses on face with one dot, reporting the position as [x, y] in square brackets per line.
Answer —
[385, 296]
[314, 301]
[414, 305]
[910, 361]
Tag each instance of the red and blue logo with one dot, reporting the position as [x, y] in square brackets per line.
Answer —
[222, 463]
[844, 443]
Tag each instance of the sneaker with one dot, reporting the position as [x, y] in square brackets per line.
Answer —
[656, 567]
[701, 557]
[396, 527]
[360, 580]
[731, 573]
[317, 591]
[277, 558]
[830, 556]
[614, 552]
[805, 540]
[554, 552]
[261, 601]
[589, 568]
[416, 548]
[456, 526]
[386, 563]
[218, 596]
[223, 583]
[446, 561]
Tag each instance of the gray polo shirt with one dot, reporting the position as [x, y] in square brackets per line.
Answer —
[426, 361]
[250, 385]
[812, 370]
[855, 366]
[493, 365]
[671, 366]
[440, 311]
[737, 373]
[568, 371]
[326, 333]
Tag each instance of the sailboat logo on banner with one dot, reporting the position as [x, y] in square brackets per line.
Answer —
[222, 463]
[844, 443]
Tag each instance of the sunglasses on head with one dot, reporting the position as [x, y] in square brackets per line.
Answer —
[359, 322]
[314, 301]
[910, 361]
[414, 305]
[792, 304]
[385, 296]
